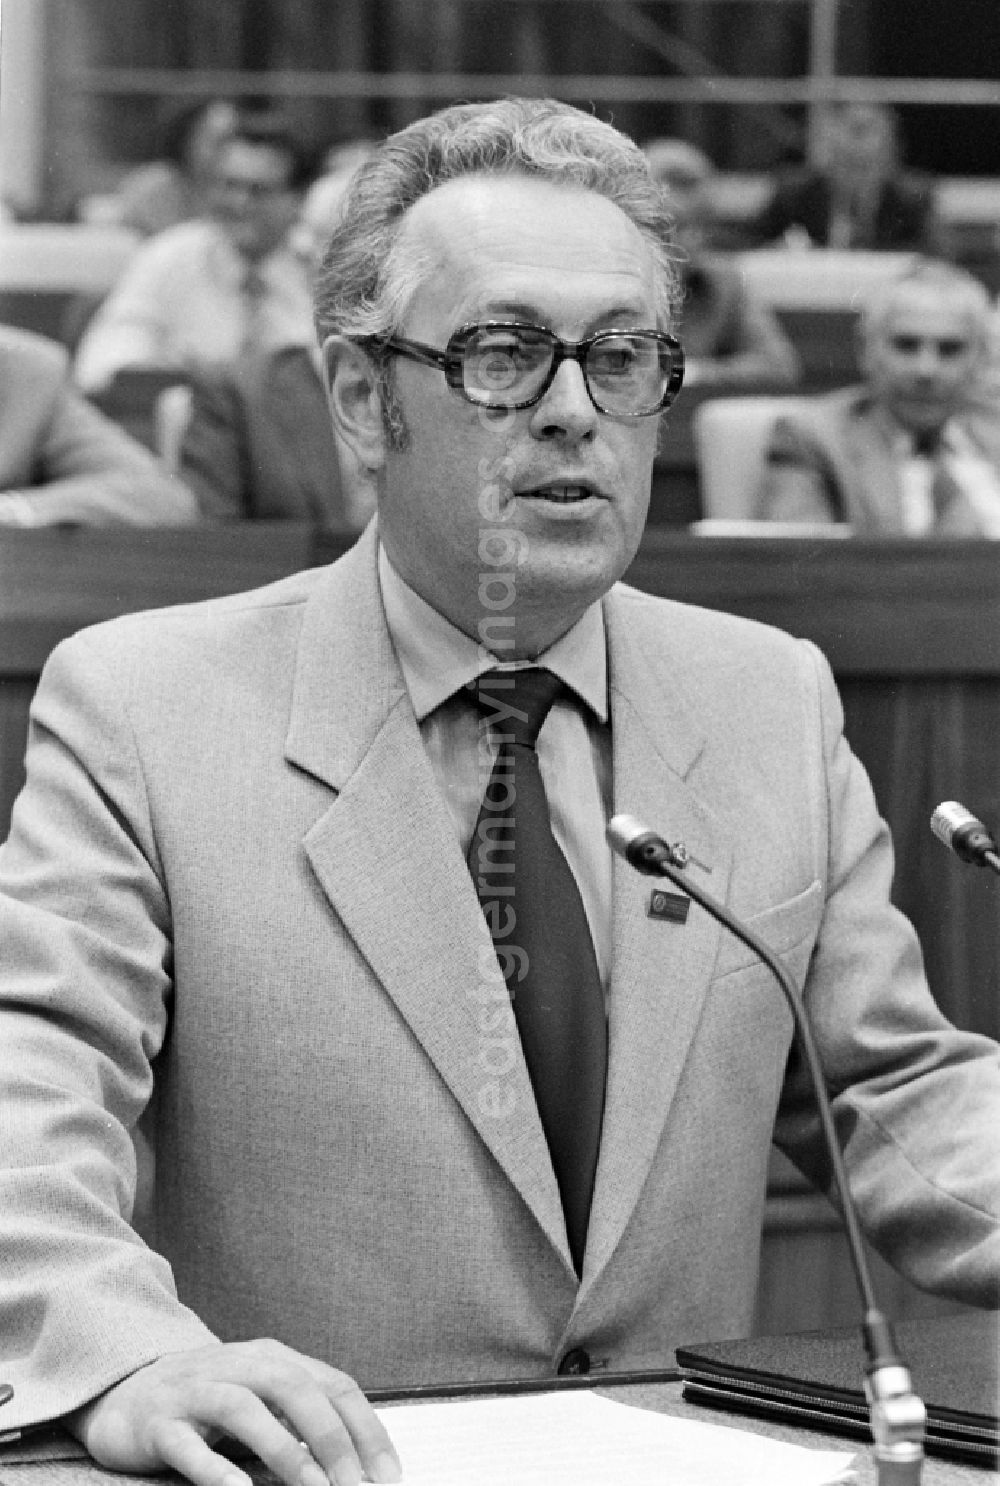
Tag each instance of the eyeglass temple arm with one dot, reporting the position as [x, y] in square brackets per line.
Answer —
[417, 350]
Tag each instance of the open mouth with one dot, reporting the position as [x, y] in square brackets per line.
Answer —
[562, 494]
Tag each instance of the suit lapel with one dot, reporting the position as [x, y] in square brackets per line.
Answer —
[386, 856]
[873, 473]
[870, 445]
[660, 970]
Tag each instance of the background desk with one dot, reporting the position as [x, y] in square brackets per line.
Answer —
[912, 631]
[50, 270]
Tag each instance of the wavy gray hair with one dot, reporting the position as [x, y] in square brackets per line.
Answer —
[370, 272]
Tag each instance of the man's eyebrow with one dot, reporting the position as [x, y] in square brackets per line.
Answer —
[619, 314]
[515, 309]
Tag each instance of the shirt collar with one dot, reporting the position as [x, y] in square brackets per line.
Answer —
[230, 262]
[437, 659]
[903, 442]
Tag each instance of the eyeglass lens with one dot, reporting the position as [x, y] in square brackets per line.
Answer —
[511, 364]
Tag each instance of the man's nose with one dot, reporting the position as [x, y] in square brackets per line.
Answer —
[566, 410]
[927, 359]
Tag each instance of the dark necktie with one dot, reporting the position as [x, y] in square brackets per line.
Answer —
[544, 945]
[951, 513]
[253, 294]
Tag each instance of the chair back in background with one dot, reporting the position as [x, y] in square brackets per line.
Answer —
[730, 440]
[152, 403]
[172, 415]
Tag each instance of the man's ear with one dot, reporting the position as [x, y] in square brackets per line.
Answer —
[355, 405]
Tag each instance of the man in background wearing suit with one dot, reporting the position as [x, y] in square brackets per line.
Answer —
[258, 442]
[915, 450]
[239, 877]
[858, 196]
[731, 338]
[62, 462]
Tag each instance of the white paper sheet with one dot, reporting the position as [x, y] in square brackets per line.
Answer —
[582, 1439]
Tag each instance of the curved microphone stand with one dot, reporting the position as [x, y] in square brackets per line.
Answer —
[896, 1414]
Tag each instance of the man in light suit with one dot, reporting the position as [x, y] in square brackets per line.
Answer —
[915, 450]
[62, 462]
[237, 877]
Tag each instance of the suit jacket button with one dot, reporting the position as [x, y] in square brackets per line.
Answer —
[575, 1363]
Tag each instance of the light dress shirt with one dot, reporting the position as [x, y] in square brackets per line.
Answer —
[974, 475]
[574, 745]
[852, 215]
[181, 301]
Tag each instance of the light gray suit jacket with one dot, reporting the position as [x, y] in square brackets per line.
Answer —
[832, 460]
[232, 873]
[68, 461]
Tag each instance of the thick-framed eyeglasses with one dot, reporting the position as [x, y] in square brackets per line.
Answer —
[505, 364]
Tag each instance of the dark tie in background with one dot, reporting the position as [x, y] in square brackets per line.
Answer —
[546, 949]
[253, 294]
[953, 514]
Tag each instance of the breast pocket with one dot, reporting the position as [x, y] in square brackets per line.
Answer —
[789, 929]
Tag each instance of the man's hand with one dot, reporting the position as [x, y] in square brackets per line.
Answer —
[310, 1424]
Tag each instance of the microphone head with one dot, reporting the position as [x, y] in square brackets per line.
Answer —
[622, 831]
[642, 848]
[949, 817]
[961, 832]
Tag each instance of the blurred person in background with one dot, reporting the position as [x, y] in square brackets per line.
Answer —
[174, 187]
[915, 450]
[321, 201]
[221, 286]
[858, 195]
[343, 158]
[259, 442]
[729, 336]
[61, 461]
[987, 389]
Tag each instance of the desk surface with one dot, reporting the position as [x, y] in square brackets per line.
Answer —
[665, 1398]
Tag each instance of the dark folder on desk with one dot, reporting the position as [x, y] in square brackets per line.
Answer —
[815, 1379]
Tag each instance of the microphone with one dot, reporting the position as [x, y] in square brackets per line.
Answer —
[896, 1414]
[966, 836]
